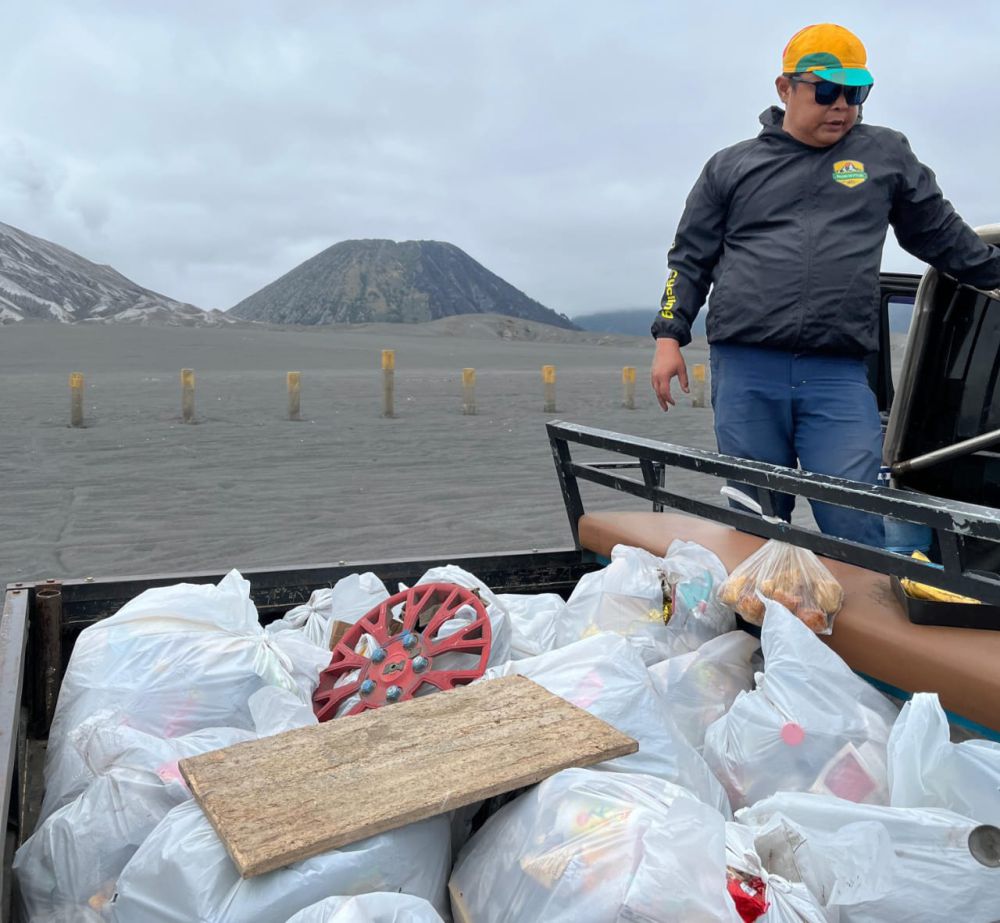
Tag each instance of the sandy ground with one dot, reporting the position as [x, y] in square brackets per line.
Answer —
[136, 491]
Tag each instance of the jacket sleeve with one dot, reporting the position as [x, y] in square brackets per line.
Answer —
[927, 225]
[692, 258]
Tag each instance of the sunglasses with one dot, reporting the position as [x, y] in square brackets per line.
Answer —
[828, 92]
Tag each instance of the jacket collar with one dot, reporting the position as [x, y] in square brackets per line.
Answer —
[772, 120]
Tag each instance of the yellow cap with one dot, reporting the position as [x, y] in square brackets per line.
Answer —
[828, 51]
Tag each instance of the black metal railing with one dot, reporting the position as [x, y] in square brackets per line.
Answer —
[962, 530]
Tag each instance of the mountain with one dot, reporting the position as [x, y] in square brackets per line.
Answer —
[637, 321]
[630, 321]
[40, 280]
[361, 281]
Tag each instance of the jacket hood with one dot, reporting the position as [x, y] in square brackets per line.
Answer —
[772, 118]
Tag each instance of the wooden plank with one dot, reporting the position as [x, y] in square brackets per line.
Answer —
[292, 796]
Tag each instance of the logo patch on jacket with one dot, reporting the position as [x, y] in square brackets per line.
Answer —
[849, 172]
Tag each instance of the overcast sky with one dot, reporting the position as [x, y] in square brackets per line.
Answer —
[205, 148]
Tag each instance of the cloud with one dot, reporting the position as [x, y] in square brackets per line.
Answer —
[203, 149]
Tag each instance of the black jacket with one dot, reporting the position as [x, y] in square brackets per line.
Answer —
[789, 237]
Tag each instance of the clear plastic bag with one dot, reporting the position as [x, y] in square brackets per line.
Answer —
[379, 907]
[693, 575]
[605, 676]
[870, 863]
[793, 577]
[810, 725]
[926, 770]
[699, 687]
[593, 846]
[176, 659]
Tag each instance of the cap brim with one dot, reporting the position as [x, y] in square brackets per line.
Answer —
[846, 76]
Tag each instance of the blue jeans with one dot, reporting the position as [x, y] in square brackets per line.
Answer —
[812, 410]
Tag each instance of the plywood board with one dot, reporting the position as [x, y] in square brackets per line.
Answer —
[292, 796]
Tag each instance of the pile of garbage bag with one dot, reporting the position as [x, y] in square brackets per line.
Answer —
[846, 809]
[175, 660]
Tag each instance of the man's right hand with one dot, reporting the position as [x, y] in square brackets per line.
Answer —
[667, 364]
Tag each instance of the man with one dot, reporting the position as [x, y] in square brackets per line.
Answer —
[788, 230]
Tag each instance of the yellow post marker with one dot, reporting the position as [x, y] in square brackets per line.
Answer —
[294, 380]
[698, 389]
[628, 387]
[187, 395]
[388, 382]
[469, 391]
[549, 380]
[76, 399]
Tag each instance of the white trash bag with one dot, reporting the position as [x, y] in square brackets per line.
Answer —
[535, 621]
[182, 873]
[870, 863]
[75, 855]
[926, 770]
[500, 628]
[605, 675]
[379, 907]
[699, 687]
[176, 659]
[596, 847]
[349, 599]
[664, 606]
[786, 901]
[810, 725]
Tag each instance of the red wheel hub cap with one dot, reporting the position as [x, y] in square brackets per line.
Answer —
[409, 659]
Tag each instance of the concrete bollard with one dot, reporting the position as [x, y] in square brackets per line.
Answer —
[628, 387]
[469, 392]
[76, 399]
[388, 382]
[187, 395]
[698, 385]
[549, 379]
[294, 381]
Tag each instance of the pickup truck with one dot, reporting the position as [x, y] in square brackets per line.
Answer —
[941, 424]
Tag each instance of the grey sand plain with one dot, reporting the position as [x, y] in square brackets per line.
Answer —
[136, 491]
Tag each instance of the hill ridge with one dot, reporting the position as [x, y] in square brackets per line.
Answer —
[44, 281]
